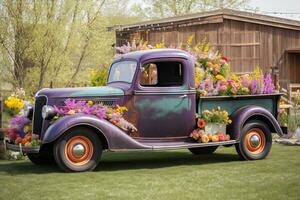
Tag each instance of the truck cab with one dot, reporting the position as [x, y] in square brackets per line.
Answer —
[161, 94]
[157, 87]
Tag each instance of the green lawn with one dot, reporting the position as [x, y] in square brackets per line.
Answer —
[161, 175]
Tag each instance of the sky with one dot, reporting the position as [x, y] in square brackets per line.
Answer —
[279, 6]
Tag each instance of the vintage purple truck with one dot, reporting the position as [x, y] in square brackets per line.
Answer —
[157, 87]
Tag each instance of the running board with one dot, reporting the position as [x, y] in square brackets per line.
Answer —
[181, 145]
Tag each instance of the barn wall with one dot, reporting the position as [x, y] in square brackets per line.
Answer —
[245, 44]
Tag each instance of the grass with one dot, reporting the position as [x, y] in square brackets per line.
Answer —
[160, 175]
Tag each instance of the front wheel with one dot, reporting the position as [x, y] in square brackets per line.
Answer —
[78, 150]
[44, 157]
[40, 159]
[203, 150]
[255, 141]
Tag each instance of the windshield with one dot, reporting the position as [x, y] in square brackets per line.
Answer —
[122, 71]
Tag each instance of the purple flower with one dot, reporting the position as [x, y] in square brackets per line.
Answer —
[101, 113]
[268, 84]
[245, 83]
[19, 121]
[253, 86]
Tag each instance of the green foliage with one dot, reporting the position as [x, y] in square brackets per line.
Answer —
[11, 155]
[292, 124]
[56, 43]
[99, 77]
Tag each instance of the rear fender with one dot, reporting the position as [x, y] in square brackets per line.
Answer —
[115, 137]
[244, 114]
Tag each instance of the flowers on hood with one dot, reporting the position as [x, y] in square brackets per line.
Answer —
[112, 114]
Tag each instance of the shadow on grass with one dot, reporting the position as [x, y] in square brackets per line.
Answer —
[154, 160]
[126, 161]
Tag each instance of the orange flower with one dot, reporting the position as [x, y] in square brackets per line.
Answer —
[201, 123]
[209, 64]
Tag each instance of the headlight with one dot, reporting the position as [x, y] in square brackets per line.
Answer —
[48, 112]
[28, 110]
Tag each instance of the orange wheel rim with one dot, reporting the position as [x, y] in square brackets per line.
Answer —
[79, 150]
[255, 141]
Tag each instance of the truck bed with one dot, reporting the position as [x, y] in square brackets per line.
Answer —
[232, 103]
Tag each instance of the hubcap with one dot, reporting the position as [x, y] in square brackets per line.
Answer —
[78, 150]
[255, 141]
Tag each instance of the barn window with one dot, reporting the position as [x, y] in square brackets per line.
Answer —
[162, 74]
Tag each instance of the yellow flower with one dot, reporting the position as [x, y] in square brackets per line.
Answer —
[219, 77]
[159, 45]
[71, 112]
[225, 113]
[121, 109]
[235, 77]
[229, 121]
[90, 102]
[14, 103]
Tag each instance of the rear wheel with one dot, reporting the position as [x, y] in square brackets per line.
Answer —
[255, 141]
[78, 150]
[203, 150]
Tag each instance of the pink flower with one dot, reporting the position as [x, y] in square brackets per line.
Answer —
[234, 90]
[222, 61]
[223, 88]
[230, 81]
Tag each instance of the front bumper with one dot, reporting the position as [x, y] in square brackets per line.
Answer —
[20, 148]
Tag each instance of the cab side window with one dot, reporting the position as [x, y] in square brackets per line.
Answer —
[162, 74]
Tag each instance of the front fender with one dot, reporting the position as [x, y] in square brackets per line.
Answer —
[244, 114]
[115, 137]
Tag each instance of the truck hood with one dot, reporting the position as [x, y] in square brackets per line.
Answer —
[103, 91]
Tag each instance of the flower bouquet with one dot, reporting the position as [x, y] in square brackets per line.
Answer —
[212, 126]
[20, 132]
[216, 120]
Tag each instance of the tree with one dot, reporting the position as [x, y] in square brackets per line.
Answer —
[56, 42]
[167, 8]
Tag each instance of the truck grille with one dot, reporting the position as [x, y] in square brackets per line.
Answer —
[107, 102]
[40, 101]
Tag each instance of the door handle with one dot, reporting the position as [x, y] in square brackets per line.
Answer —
[183, 96]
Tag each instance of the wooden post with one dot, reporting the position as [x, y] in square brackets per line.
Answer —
[1, 112]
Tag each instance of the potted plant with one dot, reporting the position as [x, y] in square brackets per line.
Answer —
[216, 120]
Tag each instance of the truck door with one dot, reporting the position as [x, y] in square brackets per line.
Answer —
[163, 100]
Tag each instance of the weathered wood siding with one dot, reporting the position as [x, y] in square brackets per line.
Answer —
[245, 44]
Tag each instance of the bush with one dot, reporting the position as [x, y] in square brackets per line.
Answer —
[99, 77]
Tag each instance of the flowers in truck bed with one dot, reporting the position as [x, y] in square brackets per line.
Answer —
[212, 71]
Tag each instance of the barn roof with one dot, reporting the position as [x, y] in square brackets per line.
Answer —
[216, 16]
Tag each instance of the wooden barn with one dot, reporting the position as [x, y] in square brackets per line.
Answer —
[247, 39]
